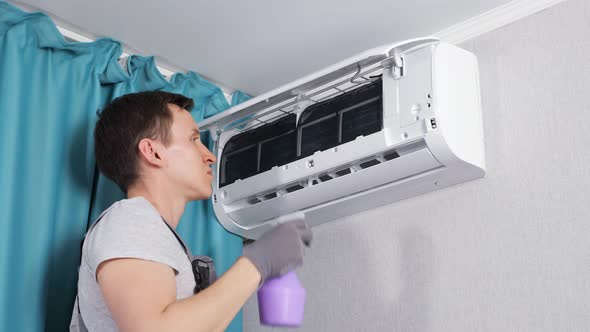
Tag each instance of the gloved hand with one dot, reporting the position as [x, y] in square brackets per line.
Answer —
[279, 250]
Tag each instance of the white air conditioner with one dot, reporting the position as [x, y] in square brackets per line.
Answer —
[390, 123]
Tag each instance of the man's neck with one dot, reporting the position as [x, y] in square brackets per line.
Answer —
[170, 206]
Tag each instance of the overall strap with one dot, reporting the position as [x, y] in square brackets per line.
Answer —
[184, 246]
[202, 266]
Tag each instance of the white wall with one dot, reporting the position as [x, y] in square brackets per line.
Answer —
[510, 252]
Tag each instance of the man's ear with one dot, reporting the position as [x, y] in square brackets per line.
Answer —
[151, 151]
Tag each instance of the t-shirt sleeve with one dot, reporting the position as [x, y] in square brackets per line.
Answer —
[133, 234]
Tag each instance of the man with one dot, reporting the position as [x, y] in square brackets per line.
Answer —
[135, 274]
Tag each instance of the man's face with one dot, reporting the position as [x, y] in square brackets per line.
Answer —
[188, 159]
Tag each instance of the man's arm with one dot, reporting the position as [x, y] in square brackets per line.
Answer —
[141, 296]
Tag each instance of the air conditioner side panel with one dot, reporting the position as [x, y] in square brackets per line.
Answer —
[457, 105]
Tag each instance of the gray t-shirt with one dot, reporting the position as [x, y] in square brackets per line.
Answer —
[130, 228]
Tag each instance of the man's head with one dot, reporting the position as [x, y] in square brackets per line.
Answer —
[151, 136]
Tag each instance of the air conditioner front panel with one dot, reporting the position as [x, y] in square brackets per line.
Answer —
[428, 182]
[408, 165]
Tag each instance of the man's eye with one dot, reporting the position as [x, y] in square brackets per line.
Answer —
[196, 138]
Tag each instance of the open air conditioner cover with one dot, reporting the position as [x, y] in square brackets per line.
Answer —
[390, 123]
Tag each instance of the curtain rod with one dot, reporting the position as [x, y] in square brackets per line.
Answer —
[167, 73]
[74, 36]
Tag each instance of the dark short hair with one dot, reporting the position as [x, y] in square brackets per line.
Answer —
[127, 120]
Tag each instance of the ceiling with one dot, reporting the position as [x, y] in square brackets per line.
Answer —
[258, 45]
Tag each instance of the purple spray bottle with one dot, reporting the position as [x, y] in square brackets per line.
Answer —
[281, 300]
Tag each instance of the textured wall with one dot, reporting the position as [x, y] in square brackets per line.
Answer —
[510, 252]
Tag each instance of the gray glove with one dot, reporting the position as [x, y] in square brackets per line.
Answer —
[279, 250]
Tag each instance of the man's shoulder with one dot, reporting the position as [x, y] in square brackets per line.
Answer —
[131, 228]
[129, 211]
[129, 218]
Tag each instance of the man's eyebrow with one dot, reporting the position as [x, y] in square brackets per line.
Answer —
[196, 131]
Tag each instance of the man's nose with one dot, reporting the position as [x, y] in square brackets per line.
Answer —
[209, 156]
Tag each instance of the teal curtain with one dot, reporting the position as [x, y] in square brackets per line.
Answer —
[50, 92]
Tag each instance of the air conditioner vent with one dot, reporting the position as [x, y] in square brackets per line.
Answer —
[323, 178]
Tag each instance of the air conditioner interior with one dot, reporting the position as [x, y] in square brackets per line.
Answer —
[321, 126]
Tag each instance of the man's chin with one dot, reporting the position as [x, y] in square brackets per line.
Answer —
[201, 196]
